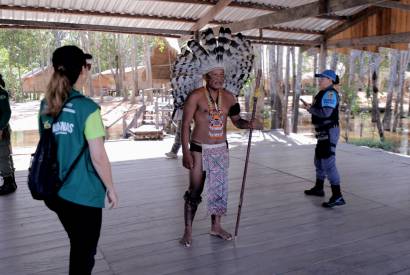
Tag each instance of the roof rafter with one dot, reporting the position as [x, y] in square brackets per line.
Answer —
[210, 14]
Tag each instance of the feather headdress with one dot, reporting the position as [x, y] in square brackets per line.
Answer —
[233, 53]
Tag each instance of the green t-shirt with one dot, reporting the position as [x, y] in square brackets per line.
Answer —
[94, 127]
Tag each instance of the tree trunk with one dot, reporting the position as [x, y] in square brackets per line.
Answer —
[323, 57]
[286, 96]
[394, 60]
[147, 59]
[292, 52]
[99, 78]
[353, 55]
[297, 90]
[374, 71]
[272, 84]
[134, 69]
[335, 59]
[279, 88]
[398, 108]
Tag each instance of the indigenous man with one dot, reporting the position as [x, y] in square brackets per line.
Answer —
[205, 151]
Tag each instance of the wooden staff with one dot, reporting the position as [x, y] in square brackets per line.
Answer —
[255, 100]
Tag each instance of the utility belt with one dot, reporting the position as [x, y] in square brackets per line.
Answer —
[324, 148]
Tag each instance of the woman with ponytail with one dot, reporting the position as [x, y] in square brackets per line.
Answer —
[79, 132]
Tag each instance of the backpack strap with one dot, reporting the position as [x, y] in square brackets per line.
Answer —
[85, 143]
[75, 162]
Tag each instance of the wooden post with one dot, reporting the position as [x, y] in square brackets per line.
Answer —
[286, 96]
[298, 88]
[156, 112]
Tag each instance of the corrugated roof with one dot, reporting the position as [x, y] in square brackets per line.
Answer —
[161, 17]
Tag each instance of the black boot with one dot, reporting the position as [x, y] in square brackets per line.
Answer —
[316, 190]
[335, 199]
[9, 185]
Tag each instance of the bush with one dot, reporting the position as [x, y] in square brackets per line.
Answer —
[372, 143]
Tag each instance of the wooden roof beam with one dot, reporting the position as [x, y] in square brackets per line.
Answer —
[210, 14]
[291, 14]
[280, 41]
[380, 40]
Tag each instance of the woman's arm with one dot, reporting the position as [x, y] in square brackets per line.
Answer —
[102, 165]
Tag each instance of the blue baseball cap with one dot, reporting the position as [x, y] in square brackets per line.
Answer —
[328, 74]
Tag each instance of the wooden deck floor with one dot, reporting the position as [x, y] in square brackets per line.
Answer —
[282, 231]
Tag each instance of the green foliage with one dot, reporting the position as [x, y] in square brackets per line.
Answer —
[310, 89]
[372, 143]
[24, 50]
[349, 97]
[160, 44]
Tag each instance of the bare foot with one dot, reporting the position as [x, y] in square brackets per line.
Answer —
[220, 233]
[186, 239]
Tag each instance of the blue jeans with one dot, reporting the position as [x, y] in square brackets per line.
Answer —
[326, 167]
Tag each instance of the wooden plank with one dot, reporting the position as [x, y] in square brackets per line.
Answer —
[307, 10]
[282, 230]
[363, 15]
[381, 40]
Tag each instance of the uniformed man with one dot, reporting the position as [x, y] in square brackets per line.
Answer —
[325, 118]
[6, 162]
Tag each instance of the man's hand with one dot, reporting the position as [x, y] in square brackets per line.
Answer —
[1, 134]
[188, 161]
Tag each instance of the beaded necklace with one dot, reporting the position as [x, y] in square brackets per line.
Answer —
[215, 117]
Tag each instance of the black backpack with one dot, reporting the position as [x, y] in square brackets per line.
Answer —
[43, 173]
